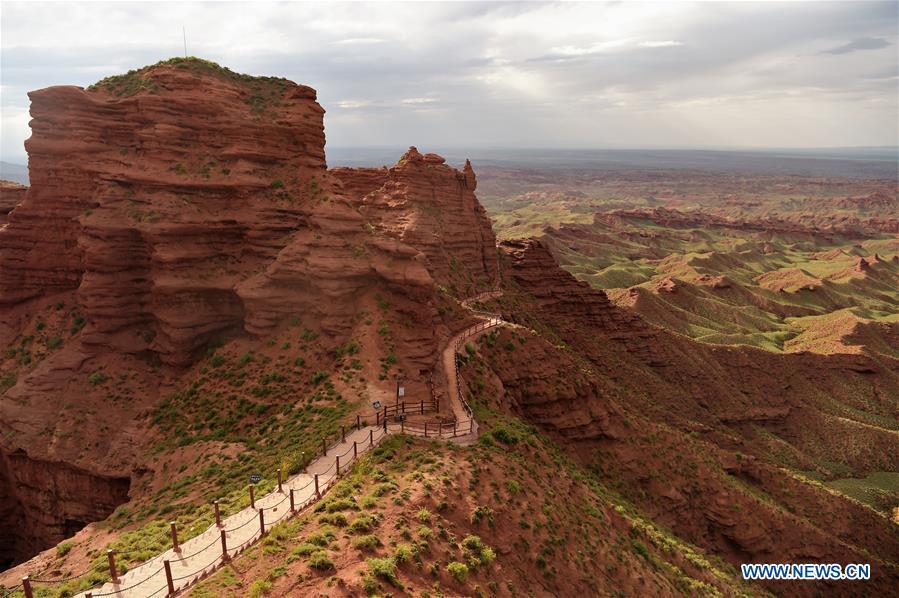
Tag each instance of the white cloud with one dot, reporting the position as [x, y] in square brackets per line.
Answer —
[668, 43]
[538, 74]
[359, 41]
[353, 104]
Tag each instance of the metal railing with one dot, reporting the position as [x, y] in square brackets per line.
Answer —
[491, 322]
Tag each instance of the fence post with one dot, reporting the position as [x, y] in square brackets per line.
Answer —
[279, 481]
[324, 447]
[174, 529]
[426, 429]
[385, 425]
[403, 407]
[338, 464]
[355, 450]
[252, 498]
[26, 587]
[403, 426]
[292, 508]
[110, 557]
[224, 547]
[377, 418]
[168, 577]
[218, 514]
[317, 493]
[455, 423]
[261, 522]
[342, 433]
[371, 438]
[358, 422]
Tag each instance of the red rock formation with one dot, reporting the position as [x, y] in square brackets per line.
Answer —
[49, 502]
[184, 203]
[154, 205]
[430, 206]
[11, 195]
[823, 226]
[572, 304]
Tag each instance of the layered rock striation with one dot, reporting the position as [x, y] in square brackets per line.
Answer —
[570, 304]
[424, 203]
[11, 195]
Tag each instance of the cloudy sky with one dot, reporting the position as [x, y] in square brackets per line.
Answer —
[458, 75]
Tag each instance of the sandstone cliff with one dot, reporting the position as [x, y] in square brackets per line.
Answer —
[11, 195]
[428, 205]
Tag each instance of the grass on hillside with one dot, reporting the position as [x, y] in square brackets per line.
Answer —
[141, 80]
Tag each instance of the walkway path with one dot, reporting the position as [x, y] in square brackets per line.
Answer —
[172, 571]
[202, 554]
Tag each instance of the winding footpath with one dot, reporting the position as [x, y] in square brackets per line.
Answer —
[175, 570]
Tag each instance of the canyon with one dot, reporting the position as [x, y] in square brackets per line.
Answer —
[190, 295]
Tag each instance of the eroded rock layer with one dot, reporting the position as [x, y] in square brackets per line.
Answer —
[44, 503]
[432, 207]
[11, 195]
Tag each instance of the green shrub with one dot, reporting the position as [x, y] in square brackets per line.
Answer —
[425, 533]
[338, 519]
[504, 435]
[458, 571]
[366, 542]
[424, 515]
[384, 569]
[305, 549]
[640, 548]
[340, 504]
[217, 360]
[63, 549]
[321, 561]
[277, 184]
[402, 554]
[482, 513]
[53, 342]
[319, 377]
[322, 537]
[260, 587]
[478, 553]
[7, 381]
[78, 323]
[363, 523]
[97, 378]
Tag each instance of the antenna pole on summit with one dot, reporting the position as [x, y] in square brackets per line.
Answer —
[184, 34]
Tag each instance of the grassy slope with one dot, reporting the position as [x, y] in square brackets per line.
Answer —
[521, 517]
[752, 309]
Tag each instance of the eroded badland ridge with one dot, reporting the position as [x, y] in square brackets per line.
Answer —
[190, 295]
